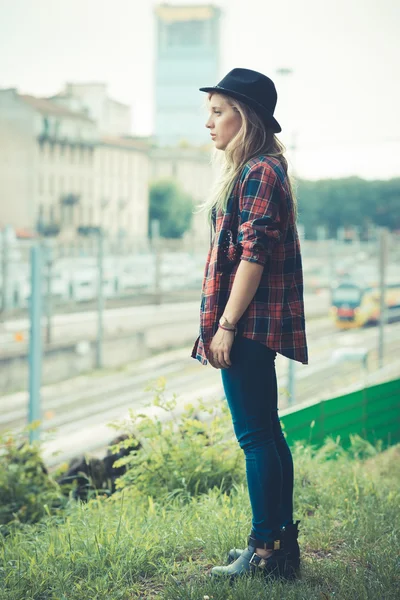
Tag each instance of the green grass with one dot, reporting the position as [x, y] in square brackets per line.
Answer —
[130, 547]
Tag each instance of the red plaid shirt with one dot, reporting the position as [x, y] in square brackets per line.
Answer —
[257, 226]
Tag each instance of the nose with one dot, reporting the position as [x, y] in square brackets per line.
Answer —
[209, 123]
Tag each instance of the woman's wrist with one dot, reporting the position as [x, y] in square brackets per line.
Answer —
[227, 328]
[224, 322]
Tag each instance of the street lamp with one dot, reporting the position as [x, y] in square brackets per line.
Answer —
[285, 72]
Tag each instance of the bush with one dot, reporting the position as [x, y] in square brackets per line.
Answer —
[184, 457]
[27, 492]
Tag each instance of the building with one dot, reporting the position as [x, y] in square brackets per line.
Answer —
[187, 56]
[112, 117]
[46, 158]
[121, 186]
[60, 175]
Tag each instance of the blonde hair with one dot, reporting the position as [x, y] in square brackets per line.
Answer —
[253, 139]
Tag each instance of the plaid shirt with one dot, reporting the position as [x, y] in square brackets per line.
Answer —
[258, 226]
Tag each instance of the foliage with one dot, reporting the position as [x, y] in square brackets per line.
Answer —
[348, 202]
[182, 456]
[122, 549]
[148, 541]
[171, 206]
[333, 203]
[27, 492]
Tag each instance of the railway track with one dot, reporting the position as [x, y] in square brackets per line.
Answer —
[76, 412]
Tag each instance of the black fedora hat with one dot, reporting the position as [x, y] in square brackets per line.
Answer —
[252, 88]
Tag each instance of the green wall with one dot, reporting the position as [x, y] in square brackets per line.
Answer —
[373, 413]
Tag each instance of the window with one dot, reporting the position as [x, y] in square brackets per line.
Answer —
[69, 215]
[41, 184]
[46, 126]
[185, 33]
[347, 294]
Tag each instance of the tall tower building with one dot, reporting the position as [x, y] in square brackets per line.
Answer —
[187, 57]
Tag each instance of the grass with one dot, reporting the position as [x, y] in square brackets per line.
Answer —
[129, 547]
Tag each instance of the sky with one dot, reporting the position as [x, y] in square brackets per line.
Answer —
[339, 109]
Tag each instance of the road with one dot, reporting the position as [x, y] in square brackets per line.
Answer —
[77, 411]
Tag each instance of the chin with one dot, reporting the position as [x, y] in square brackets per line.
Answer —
[220, 145]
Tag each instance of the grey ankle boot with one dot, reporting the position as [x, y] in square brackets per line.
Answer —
[249, 563]
[290, 548]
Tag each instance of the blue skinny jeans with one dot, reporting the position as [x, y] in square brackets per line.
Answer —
[251, 391]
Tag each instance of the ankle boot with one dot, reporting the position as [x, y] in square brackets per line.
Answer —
[290, 535]
[250, 563]
[290, 547]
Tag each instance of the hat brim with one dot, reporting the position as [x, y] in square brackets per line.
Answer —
[270, 119]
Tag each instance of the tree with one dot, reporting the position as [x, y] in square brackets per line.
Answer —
[171, 206]
[348, 202]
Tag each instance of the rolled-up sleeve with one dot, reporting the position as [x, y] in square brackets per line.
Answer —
[259, 229]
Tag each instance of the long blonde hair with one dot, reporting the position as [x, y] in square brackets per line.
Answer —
[254, 138]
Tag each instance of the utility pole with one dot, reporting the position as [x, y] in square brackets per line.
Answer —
[35, 342]
[4, 269]
[332, 269]
[49, 297]
[100, 299]
[155, 242]
[383, 255]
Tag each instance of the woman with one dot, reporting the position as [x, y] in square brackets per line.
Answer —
[252, 307]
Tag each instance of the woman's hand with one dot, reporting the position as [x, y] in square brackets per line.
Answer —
[220, 349]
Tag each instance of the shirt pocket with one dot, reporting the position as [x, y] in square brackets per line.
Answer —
[228, 251]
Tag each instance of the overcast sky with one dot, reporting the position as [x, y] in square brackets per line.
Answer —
[341, 103]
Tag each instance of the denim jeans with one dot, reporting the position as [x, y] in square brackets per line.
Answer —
[251, 391]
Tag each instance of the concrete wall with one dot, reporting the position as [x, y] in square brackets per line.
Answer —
[62, 362]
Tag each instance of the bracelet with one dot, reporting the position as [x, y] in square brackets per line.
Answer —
[227, 328]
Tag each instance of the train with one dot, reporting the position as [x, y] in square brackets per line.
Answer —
[356, 303]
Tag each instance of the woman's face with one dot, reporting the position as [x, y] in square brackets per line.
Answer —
[224, 121]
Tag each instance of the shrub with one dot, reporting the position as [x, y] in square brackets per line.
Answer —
[27, 492]
[183, 457]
